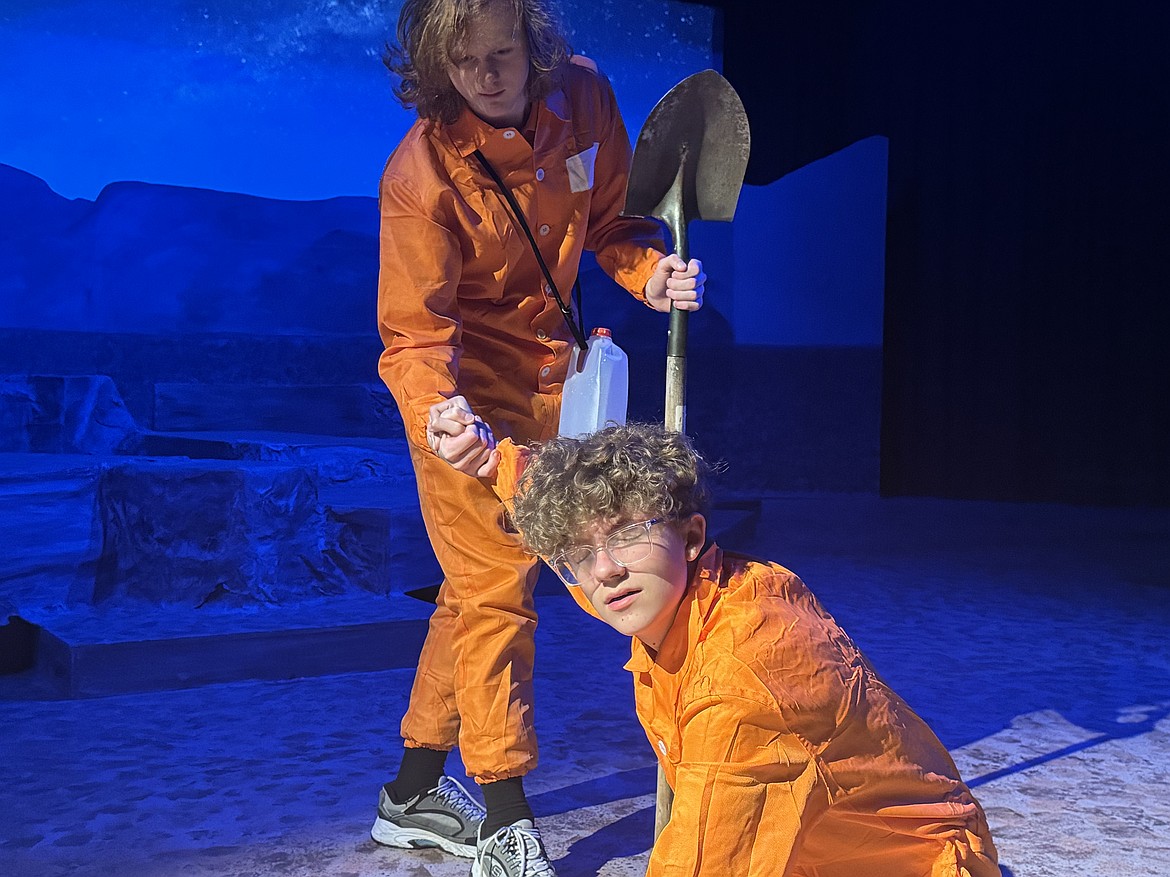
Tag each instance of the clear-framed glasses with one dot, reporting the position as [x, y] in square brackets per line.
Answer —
[626, 545]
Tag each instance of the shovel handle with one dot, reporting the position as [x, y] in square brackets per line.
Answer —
[663, 803]
[676, 421]
[676, 335]
[676, 372]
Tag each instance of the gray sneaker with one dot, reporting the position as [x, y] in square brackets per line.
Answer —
[513, 851]
[446, 817]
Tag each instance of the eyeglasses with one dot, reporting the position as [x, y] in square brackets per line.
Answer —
[624, 546]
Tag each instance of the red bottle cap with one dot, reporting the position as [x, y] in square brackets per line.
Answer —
[601, 330]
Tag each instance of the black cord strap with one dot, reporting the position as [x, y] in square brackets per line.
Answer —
[578, 331]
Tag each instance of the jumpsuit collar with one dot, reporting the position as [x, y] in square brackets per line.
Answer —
[469, 132]
[557, 103]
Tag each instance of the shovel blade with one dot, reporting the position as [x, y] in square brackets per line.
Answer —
[691, 155]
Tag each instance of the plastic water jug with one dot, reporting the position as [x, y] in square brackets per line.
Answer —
[596, 388]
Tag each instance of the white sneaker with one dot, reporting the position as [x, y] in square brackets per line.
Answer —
[513, 851]
[445, 816]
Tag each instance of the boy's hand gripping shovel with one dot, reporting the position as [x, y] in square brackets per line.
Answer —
[689, 163]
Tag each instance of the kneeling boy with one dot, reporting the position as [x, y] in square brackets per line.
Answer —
[787, 753]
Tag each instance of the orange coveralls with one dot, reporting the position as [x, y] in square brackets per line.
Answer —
[787, 753]
[463, 309]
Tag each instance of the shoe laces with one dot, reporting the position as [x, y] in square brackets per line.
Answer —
[523, 846]
[451, 793]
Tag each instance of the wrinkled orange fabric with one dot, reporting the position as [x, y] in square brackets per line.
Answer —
[787, 753]
[463, 309]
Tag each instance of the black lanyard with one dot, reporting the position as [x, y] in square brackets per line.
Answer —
[577, 330]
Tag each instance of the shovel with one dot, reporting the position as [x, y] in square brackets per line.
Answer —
[689, 163]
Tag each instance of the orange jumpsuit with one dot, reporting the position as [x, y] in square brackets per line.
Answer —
[463, 309]
[787, 753]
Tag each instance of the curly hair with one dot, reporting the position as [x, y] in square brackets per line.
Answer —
[429, 32]
[621, 472]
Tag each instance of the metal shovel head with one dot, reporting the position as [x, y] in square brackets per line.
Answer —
[692, 154]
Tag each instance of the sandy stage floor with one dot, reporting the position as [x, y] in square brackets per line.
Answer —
[1035, 640]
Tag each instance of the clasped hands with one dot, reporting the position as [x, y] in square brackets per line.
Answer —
[461, 438]
[464, 441]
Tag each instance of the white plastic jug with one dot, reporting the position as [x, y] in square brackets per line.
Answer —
[596, 388]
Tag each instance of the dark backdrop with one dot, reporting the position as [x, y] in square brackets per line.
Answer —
[1026, 285]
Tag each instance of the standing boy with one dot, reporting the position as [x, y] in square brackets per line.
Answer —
[787, 753]
[470, 322]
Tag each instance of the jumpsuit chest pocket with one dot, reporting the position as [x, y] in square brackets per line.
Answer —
[563, 189]
[580, 168]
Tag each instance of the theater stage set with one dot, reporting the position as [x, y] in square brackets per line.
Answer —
[940, 307]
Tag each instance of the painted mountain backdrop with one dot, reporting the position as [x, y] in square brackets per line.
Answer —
[207, 309]
[158, 259]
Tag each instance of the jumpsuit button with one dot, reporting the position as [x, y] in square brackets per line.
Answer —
[544, 229]
[541, 335]
[544, 371]
[508, 135]
[539, 174]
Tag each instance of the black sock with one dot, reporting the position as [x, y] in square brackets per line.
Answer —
[419, 772]
[506, 803]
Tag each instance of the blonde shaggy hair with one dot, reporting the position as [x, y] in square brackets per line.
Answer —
[429, 33]
[621, 473]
